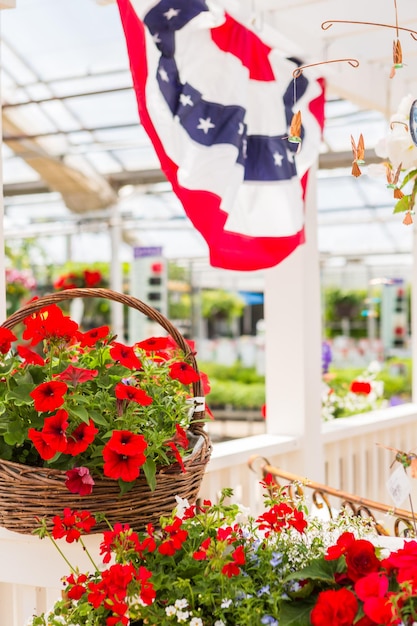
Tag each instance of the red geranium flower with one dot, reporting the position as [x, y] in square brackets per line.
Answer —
[183, 372]
[80, 438]
[79, 480]
[337, 608]
[133, 394]
[77, 586]
[125, 355]
[232, 568]
[175, 539]
[54, 430]
[72, 525]
[6, 339]
[358, 386]
[92, 278]
[91, 337]
[49, 396]
[30, 356]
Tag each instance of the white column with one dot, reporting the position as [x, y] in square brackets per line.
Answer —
[413, 333]
[116, 272]
[293, 346]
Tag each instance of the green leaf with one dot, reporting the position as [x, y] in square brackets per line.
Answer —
[319, 570]
[98, 418]
[14, 433]
[20, 394]
[409, 176]
[149, 469]
[403, 205]
[296, 613]
[80, 412]
[124, 486]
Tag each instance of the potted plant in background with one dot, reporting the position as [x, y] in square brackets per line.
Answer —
[84, 415]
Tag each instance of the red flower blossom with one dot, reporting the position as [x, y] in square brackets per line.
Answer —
[76, 375]
[30, 356]
[177, 455]
[147, 592]
[79, 480]
[342, 544]
[48, 323]
[206, 383]
[183, 372]
[337, 608]
[6, 339]
[358, 386]
[201, 554]
[232, 568]
[361, 559]
[49, 396]
[91, 337]
[54, 430]
[45, 450]
[80, 438]
[181, 437]
[404, 560]
[76, 587]
[133, 394]
[281, 516]
[372, 590]
[125, 355]
[154, 344]
[123, 455]
[72, 525]
[175, 539]
[92, 278]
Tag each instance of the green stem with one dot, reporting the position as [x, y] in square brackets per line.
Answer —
[88, 554]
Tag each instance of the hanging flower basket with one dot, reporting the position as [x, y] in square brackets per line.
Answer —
[94, 424]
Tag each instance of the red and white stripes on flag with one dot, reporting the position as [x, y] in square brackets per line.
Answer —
[216, 99]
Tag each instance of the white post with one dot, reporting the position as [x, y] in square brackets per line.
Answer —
[293, 345]
[413, 333]
[116, 273]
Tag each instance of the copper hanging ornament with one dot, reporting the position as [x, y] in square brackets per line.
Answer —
[295, 128]
[408, 220]
[397, 57]
[392, 180]
[358, 155]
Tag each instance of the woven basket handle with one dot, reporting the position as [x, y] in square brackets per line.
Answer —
[85, 292]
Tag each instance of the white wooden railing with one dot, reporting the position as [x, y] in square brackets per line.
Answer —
[30, 569]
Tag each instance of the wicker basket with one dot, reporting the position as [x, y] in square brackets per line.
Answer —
[27, 492]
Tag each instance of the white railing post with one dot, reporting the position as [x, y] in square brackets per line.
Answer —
[293, 345]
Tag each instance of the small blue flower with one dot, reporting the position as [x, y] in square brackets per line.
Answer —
[268, 619]
[276, 559]
[262, 590]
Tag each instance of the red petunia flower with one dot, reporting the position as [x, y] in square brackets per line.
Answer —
[6, 339]
[49, 396]
[91, 337]
[54, 430]
[177, 455]
[30, 356]
[45, 450]
[79, 480]
[181, 437]
[80, 438]
[154, 344]
[123, 456]
[76, 375]
[183, 372]
[132, 394]
[125, 355]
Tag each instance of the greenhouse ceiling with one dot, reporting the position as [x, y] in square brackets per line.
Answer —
[73, 146]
